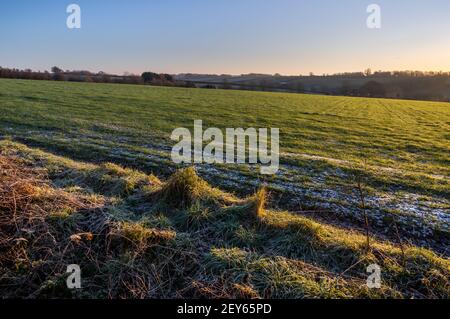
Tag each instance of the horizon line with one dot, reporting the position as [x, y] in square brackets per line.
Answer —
[126, 73]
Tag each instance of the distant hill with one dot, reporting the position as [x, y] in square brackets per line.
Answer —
[404, 85]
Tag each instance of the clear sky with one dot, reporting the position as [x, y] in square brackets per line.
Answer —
[226, 36]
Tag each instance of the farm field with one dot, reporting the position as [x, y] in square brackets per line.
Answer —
[398, 149]
[305, 239]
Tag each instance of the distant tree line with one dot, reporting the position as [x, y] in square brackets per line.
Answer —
[394, 74]
[415, 85]
[435, 88]
[155, 78]
[57, 74]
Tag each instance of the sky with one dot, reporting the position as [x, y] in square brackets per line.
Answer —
[226, 36]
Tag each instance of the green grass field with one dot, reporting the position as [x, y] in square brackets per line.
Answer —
[302, 243]
[400, 149]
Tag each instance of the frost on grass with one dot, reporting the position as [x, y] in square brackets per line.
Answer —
[181, 238]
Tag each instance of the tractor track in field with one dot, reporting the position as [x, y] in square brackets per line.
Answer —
[349, 163]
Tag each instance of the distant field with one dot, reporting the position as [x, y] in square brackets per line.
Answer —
[398, 149]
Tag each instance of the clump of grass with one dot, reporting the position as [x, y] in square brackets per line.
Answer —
[249, 237]
[138, 233]
[243, 291]
[197, 216]
[256, 203]
[62, 214]
[116, 180]
[77, 238]
[108, 179]
[185, 188]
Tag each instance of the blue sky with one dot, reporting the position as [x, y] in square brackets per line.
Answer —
[226, 36]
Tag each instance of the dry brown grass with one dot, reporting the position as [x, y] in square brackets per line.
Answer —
[136, 249]
[258, 202]
[43, 229]
[27, 199]
[185, 187]
[139, 234]
[220, 289]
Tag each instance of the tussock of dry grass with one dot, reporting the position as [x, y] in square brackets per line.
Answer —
[115, 180]
[259, 202]
[185, 187]
[139, 234]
